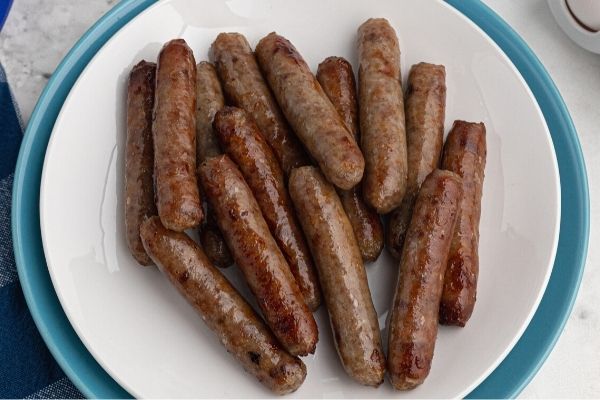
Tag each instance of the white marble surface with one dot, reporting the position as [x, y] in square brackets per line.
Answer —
[38, 34]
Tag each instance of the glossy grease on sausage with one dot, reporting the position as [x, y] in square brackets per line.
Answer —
[241, 140]
[383, 136]
[256, 253]
[342, 274]
[139, 157]
[425, 111]
[337, 80]
[246, 88]
[310, 112]
[222, 308]
[174, 131]
[413, 323]
[209, 100]
[465, 154]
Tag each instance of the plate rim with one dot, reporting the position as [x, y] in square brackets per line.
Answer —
[49, 105]
[109, 367]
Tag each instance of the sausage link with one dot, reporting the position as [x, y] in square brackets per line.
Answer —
[465, 154]
[256, 253]
[425, 112]
[414, 315]
[241, 140]
[209, 100]
[336, 77]
[365, 223]
[222, 308]
[342, 274]
[139, 157]
[381, 115]
[174, 130]
[246, 88]
[337, 80]
[213, 243]
[310, 112]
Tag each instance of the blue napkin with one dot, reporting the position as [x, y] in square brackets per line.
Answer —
[27, 369]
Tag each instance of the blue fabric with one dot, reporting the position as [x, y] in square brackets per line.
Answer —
[27, 369]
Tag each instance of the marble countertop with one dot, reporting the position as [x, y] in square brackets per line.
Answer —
[38, 34]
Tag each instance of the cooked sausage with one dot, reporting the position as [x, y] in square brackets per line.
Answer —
[413, 322]
[246, 88]
[241, 140]
[465, 154]
[337, 80]
[213, 243]
[209, 100]
[222, 308]
[139, 157]
[336, 77]
[365, 223]
[310, 112]
[342, 275]
[383, 138]
[174, 131]
[256, 253]
[425, 111]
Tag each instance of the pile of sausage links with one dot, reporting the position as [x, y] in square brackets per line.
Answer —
[288, 175]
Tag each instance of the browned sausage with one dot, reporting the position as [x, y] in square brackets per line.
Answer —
[139, 157]
[256, 253]
[342, 274]
[465, 154]
[174, 131]
[383, 137]
[310, 112]
[221, 307]
[425, 111]
[213, 243]
[241, 140]
[336, 77]
[414, 315]
[209, 100]
[246, 88]
[337, 80]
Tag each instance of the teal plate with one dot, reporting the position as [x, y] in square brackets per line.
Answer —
[509, 378]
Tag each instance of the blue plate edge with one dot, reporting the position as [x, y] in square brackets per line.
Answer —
[104, 29]
[544, 90]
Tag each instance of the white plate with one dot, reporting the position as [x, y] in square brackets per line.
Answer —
[143, 332]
